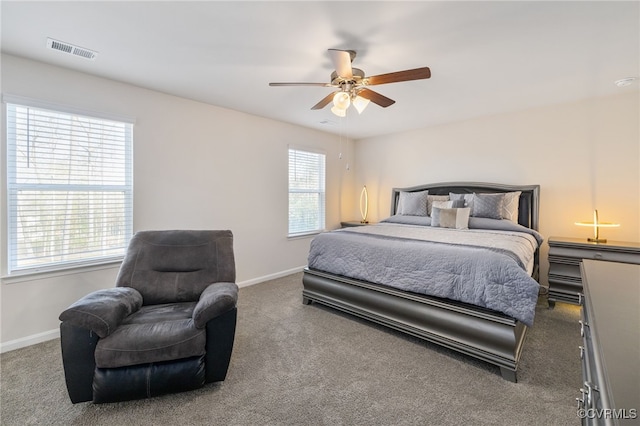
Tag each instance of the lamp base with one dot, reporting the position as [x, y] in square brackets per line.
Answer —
[597, 240]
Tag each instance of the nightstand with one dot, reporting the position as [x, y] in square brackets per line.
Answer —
[350, 223]
[565, 256]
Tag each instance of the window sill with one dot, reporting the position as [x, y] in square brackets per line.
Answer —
[41, 274]
[305, 234]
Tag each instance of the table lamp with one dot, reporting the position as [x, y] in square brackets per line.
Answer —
[364, 204]
[596, 224]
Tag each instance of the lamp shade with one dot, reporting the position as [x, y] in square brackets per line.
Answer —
[341, 100]
[339, 112]
[360, 103]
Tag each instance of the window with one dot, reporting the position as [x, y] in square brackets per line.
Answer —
[69, 188]
[306, 192]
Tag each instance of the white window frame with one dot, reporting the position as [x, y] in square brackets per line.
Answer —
[319, 213]
[16, 264]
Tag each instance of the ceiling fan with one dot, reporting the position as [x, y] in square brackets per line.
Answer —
[352, 84]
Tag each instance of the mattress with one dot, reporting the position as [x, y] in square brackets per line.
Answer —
[489, 266]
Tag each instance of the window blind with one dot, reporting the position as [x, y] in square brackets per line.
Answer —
[306, 192]
[69, 188]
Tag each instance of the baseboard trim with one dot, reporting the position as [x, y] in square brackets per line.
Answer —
[54, 334]
[23, 342]
[264, 278]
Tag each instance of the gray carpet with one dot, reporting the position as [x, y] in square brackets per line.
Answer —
[294, 364]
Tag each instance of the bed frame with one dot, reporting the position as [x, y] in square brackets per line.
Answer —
[478, 332]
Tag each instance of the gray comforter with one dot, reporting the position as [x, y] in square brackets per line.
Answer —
[483, 268]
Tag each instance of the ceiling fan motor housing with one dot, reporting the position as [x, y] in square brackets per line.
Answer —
[357, 79]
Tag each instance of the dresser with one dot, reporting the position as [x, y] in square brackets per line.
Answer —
[610, 351]
[565, 255]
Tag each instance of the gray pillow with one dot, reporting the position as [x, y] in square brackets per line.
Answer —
[457, 204]
[467, 199]
[488, 205]
[412, 203]
[450, 218]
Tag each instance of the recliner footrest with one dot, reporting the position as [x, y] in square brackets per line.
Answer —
[147, 380]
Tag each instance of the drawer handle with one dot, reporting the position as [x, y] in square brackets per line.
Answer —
[582, 326]
[580, 297]
[581, 351]
[581, 401]
[597, 256]
[589, 392]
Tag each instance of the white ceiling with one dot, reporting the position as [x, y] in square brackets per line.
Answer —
[485, 57]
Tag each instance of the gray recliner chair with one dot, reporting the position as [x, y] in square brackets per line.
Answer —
[167, 326]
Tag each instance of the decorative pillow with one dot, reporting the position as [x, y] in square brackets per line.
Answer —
[451, 218]
[412, 203]
[432, 198]
[467, 198]
[510, 206]
[441, 204]
[455, 204]
[488, 205]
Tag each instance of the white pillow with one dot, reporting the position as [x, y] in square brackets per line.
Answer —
[510, 206]
[432, 198]
[450, 218]
[441, 204]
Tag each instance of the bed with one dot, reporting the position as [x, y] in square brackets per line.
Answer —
[471, 322]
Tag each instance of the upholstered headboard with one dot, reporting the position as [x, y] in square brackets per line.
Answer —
[527, 208]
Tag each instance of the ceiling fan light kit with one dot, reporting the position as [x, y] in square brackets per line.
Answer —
[339, 112]
[352, 84]
[341, 100]
[360, 103]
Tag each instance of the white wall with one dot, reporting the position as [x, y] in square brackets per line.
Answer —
[201, 166]
[196, 166]
[584, 155]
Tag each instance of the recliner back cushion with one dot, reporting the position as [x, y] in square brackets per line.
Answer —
[176, 266]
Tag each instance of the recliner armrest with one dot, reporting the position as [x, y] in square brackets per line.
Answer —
[215, 300]
[103, 310]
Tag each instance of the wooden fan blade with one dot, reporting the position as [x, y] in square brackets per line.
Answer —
[324, 102]
[302, 84]
[376, 98]
[342, 61]
[394, 77]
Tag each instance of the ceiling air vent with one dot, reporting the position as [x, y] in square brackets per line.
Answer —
[71, 49]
